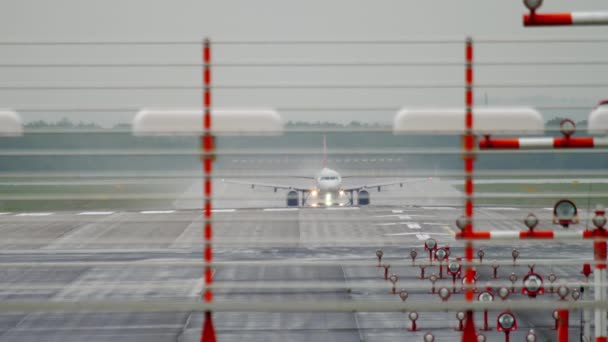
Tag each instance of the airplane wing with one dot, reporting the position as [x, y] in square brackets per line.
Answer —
[266, 185]
[380, 185]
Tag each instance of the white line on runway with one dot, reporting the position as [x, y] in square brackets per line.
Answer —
[397, 211]
[281, 209]
[342, 208]
[387, 224]
[223, 210]
[418, 235]
[4, 214]
[423, 236]
[35, 214]
[551, 209]
[158, 211]
[96, 213]
[403, 217]
[400, 217]
[438, 208]
[501, 208]
[413, 225]
[434, 223]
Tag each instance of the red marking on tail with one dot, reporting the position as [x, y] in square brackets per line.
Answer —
[324, 151]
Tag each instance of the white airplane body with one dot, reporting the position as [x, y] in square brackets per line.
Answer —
[327, 189]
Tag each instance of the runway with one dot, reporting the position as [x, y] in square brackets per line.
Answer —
[66, 252]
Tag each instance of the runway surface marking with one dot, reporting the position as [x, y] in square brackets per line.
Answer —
[418, 235]
[4, 214]
[281, 209]
[397, 211]
[401, 217]
[438, 208]
[91, 213]
[413, 225]
[223, 210]
[157, 212]
[449, 229]
[35, 214]
[502, 208]
[343, 208]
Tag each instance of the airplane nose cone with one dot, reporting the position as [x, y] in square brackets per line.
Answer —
[329, 185]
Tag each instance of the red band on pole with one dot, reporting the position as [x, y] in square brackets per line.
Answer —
[469, 139]
[548, 19]
[468, 209]
[207, 99]
[207, 190]
[208, 254]
[207, 76]
[208, 165]
[208, 143]
[468, 186]
[499, 143]
[468, 165]
[207, 51]
[540, 234]
[582, 142]
[469, 51]
[207, 210]
[474, 236]
[208, 231]
[562, 328]
[599, 254]
[208, 334]
[208, 275]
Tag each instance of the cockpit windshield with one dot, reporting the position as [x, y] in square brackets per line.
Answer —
[328, 178]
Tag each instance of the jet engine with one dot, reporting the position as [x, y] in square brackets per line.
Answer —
[363, 197]
[292, 199]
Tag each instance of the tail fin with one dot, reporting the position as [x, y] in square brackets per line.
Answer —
[324, 151]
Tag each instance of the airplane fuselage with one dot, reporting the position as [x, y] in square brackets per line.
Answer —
[328, 188]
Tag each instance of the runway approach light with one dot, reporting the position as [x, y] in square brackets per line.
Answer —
[486, 120]
[506, 323]
[565, 213]
[10, 124]
[223, 122]
[533, 5]
[598, 120]
[531, 221]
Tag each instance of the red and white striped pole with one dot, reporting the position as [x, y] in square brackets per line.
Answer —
[599, 278]
[566, 19]
[469, 334]
[208, 147]
[531, 235]
[489, 143]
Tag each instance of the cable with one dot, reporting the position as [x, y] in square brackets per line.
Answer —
[301, 86]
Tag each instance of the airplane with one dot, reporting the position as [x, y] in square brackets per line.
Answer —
[327, 189]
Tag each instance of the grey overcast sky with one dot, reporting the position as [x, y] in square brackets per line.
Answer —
[84, 20]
